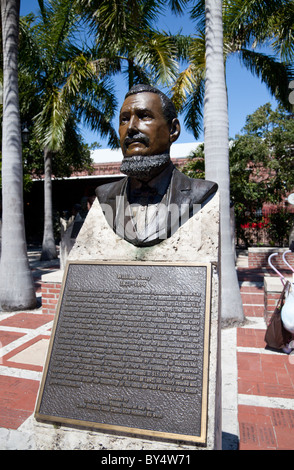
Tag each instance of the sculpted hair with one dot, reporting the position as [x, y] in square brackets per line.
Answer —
[168, 108]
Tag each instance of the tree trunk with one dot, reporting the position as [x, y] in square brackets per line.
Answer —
[48, 246]
[16, 282]
[216, 138]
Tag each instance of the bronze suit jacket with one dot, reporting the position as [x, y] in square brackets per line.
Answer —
[187, 193]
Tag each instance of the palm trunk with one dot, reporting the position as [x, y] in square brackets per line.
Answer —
[16, 282]
[216, 138]
[48, 246]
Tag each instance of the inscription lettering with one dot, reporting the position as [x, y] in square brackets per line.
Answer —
[128, 348]
[119, 406]
[156, 354]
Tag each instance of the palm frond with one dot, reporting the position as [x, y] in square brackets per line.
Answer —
[159, 54]
[183, 45]
[78, 71]
[178, 6]
[197, 51]
[183, 87]
[61, 28]
[193, 110]
[257, 22]
[198, 14]
[31, 52]
[139, 75]
[282, 27]
[51, 121]
[240, 12]
[44, 12]
[276, 75]
[96, 119]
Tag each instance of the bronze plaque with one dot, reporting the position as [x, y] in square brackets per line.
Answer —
[129, 350]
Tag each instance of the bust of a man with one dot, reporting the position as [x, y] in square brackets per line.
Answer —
[154, 199]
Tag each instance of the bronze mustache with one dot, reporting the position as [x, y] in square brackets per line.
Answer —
[136, 138]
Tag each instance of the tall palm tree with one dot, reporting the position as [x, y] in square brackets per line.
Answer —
[220, 35]
[71, 89]
[216, 147]
[16, 283]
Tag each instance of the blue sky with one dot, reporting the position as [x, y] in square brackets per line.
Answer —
[245, 92]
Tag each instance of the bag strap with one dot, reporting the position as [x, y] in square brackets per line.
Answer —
[283, 293]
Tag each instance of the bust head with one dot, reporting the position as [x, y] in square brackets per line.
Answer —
[148, 125]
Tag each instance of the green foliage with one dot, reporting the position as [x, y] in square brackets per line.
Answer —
[256, 22]
[195, 168]
[60, 89]
[73, 155]
[261, 170]
[280, 224]
[261, 167]
[61, 83]
[247, 25]
[138, 50]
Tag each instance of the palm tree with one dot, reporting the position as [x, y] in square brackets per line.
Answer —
[216, 146]
[221, 34]
[16, 283]
[127, 40]
[71, 89]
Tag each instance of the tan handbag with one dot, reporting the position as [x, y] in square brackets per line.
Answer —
[276, 336]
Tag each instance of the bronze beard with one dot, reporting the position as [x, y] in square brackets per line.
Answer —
[144, 168]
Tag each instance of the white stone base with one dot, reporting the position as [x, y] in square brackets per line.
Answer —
[196, 241]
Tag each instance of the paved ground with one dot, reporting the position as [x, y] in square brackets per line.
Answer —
[258, 384]
[265, 377]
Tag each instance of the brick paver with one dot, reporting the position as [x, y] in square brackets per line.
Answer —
[17, 400]
[7, 337]
[18, 394]
[27, 320]
[250, 338]
[265, 428]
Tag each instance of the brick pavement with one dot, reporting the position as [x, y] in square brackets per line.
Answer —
[265, 379]
[24, 338]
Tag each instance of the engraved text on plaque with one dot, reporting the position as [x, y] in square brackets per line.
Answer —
[129, 350]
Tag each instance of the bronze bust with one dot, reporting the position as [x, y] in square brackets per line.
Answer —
[154, 199]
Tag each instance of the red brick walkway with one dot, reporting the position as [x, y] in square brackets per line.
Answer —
[20, 373]
[265, 383]
[17, 400]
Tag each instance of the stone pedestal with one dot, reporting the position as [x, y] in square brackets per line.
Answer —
[195, 242]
